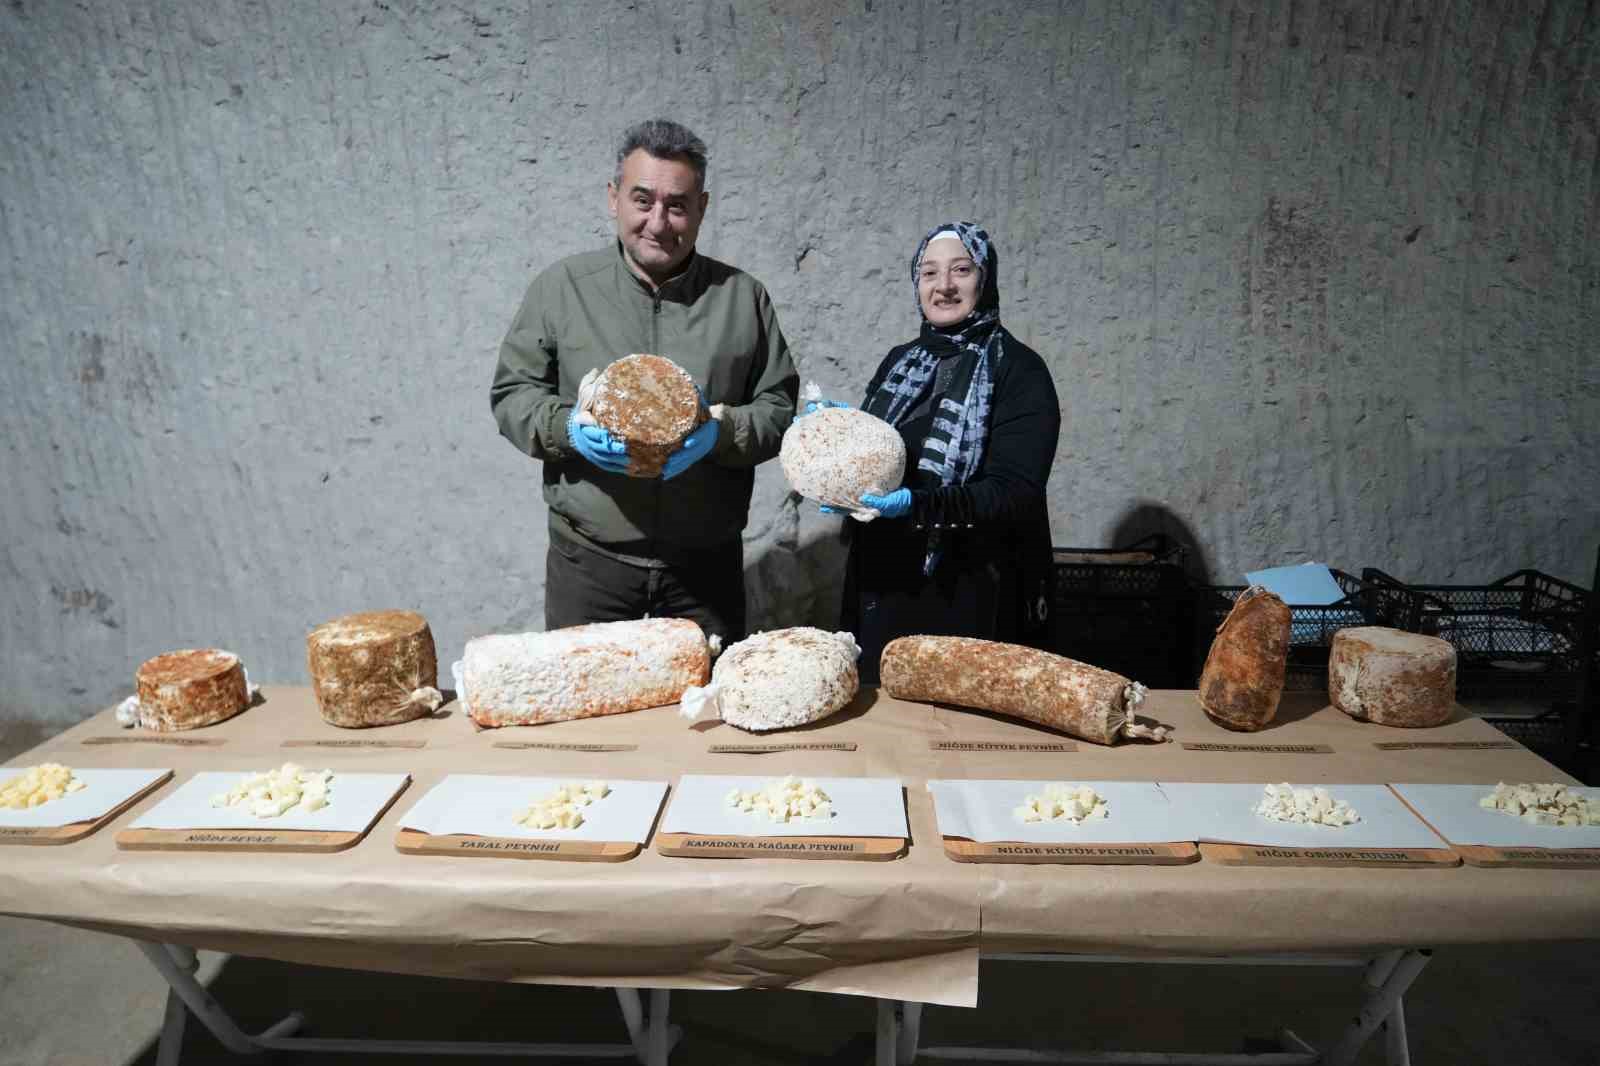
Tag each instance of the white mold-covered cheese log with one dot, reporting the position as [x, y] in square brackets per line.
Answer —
[780, 679]
[836, 455]
[1391, 677]
[373, 668]
[582, 671]
[190, 688]
[1012, 679]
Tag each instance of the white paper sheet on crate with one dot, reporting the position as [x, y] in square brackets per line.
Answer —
[486, 805]
[1306, 585]
[354, 803]
[1224, 814]
[1137, 812]
[103, 790]
[862, 807]
[1454, 811]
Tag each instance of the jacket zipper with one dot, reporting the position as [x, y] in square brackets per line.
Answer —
[655, 349]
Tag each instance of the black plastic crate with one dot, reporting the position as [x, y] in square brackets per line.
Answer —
[1311, 626]
[1517, 638]
[1128, 609]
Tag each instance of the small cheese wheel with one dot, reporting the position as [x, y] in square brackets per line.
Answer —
[650, 403]
[836, 455]
[1391, 677]
[190, 688]
[1244, 673]
[373, 668]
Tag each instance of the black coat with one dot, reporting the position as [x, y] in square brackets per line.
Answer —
[993, 580]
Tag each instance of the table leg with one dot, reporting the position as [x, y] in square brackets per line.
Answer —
[910, 1033]
[1386, 982]
[885, 1043]
[660, 1043]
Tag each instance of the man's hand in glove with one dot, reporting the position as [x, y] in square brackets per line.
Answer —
[596, 445]
[695, 447]
[895, 505]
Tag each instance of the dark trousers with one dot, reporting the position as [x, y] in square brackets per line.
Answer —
[583, 585]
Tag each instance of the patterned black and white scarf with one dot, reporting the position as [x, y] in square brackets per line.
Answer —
[953, 448]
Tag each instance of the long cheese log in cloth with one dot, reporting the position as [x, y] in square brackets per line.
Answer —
[1010, 679]
[648, 402]
[1243, 677]
[779, 680]
[1392, 678]
[374, 668]
[581, 671]
[189, 689]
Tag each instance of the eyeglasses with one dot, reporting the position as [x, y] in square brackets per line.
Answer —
[960, 271]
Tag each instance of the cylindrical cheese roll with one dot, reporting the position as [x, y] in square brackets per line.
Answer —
[1243, 677]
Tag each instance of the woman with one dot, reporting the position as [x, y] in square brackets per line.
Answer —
[963, 546]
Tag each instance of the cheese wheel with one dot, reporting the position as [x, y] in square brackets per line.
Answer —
[373, 668]
[651, 404]
[785, 678]
[836, 455]
[1392, 678]
[582, 671]
[190, 688]
[1243, 677]
[1018, 681]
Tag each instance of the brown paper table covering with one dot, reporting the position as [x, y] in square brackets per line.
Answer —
[907, 929]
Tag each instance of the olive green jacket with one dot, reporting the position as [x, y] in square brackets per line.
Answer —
[716, 322]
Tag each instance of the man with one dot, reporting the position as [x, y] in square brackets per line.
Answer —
[623, 547]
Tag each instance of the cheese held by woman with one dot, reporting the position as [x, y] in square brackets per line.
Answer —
[838, 454]
[581, 671]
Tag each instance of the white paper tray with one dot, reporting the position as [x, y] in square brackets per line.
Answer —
[1224, 814]
[103, 791]
[354, 803]
[484, 805]
[862, 806]
[1138, 812]
[1454, 811]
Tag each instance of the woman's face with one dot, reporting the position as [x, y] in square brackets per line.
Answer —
[947, 282]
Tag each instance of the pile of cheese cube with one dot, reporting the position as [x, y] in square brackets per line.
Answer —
[1543, 804]
[1305, 806]
[1062, 803]
[37, 785]
[789, 800]
[275, 792]
[563, 807]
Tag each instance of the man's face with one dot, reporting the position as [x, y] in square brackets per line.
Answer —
[659, 206]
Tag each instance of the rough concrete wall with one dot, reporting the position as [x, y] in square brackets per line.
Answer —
[1316, 280]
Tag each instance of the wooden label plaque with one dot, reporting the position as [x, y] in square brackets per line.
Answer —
[1002, 745]
[705, 846]
[1171, 854]
[415, 842]
[1260, 749]
[1541, 858]
[1261, 855]
[767, 749]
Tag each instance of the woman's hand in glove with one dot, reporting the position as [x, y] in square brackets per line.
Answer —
[596, 445]
[695, 447]
[895, 505]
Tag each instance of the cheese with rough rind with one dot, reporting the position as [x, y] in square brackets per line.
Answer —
[190, 688]
[780, 679]
[1243, 678]
[373, 668]
[1394, 678]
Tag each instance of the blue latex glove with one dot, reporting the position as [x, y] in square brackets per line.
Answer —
[895, 505]
[813, 406]
[695, 447]
[596, 445]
